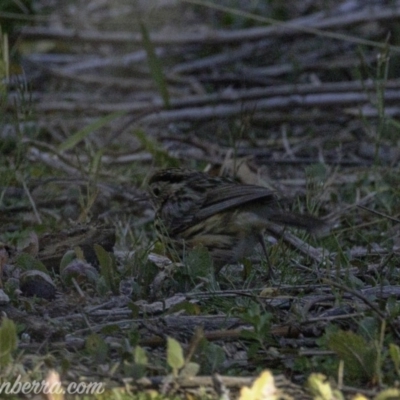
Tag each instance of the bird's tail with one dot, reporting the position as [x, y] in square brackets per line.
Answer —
[307, 222]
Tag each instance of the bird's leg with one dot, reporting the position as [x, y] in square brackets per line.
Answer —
[260, 238]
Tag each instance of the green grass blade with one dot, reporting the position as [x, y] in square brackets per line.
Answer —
[155, 65]
[77, 137]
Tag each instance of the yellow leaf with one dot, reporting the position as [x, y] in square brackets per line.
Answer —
[359, 397]
[263, 388]
[319, 386]
[175, 358]
[388, 394]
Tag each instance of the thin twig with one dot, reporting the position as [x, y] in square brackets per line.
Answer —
[371, 305]
[279, 28]
[28, 193]
[379, 213]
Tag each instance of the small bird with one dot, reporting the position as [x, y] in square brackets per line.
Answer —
[226, 217]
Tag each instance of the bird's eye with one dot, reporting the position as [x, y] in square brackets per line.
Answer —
[156, 191]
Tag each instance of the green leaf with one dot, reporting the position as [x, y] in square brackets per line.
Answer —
[394, 352]
[388, 394]
[140, 356]
[368, 328]
[189, 370]
[110, 329]
[394, 123]
[27, 262]
[8, 341]
[106, 266]
[175, 357]
[96, 347]
[154, 65]
[360, 356]
[68, 256]
[210, 356]
[199, 262]
[215, 356]
[260, 320]
[77, 137]
[187, 306]
[135, 372]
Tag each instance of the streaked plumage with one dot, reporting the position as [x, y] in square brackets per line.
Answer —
[227, 217]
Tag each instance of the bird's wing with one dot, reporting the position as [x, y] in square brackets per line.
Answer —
[184, 211]
[190, 210]
[227, 196]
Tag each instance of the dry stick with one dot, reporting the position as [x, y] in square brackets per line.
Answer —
[332, 318]
[61, 161]
[382, 265]
[226, 110]
[277, 90]
[55, 161]
[299, 244]
[356, 294]
[367, 111]
[382, 292]
[356, 390]
[287, 102]
[113, 61]
[52, 161]
[104, 81]
[307, 62]
[379, 213]
[61, 156]
[228, 104]
[371, 305]
[371, 14]
[59, 202]
[367, 15]
[197, 336]
[312, 65]
[118, 160]
[227, 57]
[125, 84]
[219, 387]
[70, 71]
[35, 211]
[245, 50]
[198, 381]
[229, 96]
[50, 58]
